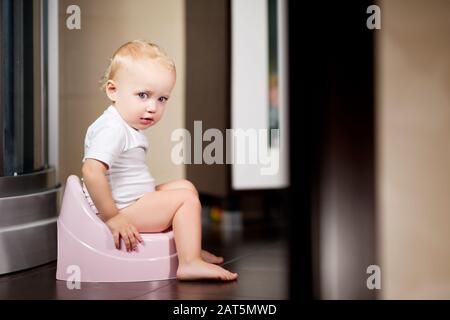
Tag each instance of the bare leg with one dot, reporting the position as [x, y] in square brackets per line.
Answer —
[181, 209]
[186, 184]
[211, 258]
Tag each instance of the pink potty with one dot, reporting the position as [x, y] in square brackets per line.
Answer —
[85, 244]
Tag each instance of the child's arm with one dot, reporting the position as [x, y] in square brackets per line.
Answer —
[97, 184]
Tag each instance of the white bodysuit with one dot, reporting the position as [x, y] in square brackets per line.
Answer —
[111, 140]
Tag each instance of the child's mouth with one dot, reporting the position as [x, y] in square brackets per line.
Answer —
[146, 120]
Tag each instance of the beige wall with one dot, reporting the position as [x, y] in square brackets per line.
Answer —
[84, 55]
[413, 100]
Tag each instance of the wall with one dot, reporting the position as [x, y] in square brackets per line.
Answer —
[84, 55]
[413, 101]
[207, 88]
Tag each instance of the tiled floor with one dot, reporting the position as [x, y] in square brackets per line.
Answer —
[259, 256]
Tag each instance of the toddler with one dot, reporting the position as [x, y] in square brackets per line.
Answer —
[139, 81]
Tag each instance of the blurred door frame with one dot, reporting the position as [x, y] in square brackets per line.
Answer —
[332, 134]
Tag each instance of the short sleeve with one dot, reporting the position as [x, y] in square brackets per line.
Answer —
[105, 144]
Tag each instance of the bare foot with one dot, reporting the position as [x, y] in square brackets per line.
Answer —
[211, 258]
[199, 269]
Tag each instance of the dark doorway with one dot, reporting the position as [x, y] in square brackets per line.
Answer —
[332, 208]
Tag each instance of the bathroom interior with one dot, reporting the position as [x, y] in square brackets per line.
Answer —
[348, 198]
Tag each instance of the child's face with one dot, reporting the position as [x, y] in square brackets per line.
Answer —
[140, 92]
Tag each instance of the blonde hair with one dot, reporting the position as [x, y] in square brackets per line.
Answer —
[134, 50]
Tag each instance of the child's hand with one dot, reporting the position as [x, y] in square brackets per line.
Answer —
[121, 228]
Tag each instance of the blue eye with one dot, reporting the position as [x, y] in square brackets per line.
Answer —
[142, 95]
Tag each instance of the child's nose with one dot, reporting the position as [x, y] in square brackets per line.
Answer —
[151, 106]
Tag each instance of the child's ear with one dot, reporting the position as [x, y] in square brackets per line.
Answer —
[111, 90]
